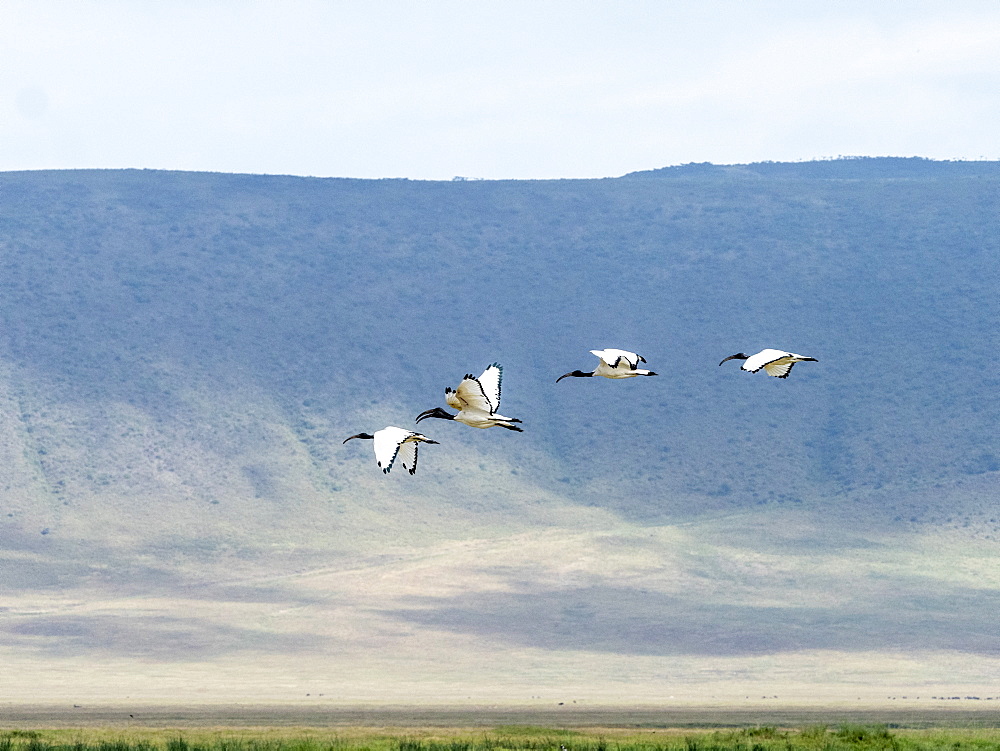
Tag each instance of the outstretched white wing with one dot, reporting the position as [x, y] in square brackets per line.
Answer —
[763, 358]
[619, 358]
[387, 443]
[408, 456]
[779, 368]
[452, 399]
[490, 382]
[481, 393]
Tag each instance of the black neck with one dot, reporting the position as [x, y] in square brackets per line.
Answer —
[436, 412]
[360, 435]
[574, 374]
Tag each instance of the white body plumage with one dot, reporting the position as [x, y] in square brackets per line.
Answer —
[392, 443]
[477, 401]
[613, 363]
[775, 362]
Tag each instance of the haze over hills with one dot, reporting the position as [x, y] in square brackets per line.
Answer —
[182, 355]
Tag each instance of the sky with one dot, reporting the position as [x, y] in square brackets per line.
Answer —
[435, 89]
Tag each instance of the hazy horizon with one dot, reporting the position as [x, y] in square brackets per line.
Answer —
[526, 91]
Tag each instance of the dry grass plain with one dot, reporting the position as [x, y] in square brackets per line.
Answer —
[725, 612]
[151, 721]
[272, 728]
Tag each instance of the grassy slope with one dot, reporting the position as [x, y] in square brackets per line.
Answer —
[183, 355]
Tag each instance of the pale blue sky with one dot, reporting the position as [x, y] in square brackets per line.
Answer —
[538, 89]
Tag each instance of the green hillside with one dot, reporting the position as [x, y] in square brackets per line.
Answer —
[182, 355]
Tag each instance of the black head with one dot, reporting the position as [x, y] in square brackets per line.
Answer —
[360, 435]
[737, 356]
[436, 412]
[574, 374]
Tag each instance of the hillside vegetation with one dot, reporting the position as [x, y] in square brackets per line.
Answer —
[250, 322]
[182, 355]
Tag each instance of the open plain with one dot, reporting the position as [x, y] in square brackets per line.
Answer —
[415, 720]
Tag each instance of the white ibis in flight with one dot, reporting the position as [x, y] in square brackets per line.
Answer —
[477, 401]
[394, 442]
[775, 362]
[614, 363]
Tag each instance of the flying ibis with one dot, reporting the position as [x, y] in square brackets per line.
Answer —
[614, 363]
[477, 401]
[775, 362]
[394, 442]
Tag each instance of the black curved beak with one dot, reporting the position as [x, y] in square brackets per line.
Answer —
[435, 412]
[737, 356]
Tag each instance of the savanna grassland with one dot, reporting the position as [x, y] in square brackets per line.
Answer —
[821, 737]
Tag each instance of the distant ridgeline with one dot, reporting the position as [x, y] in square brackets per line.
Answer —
[845, 168]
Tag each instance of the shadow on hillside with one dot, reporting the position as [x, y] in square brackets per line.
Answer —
[157, 638]
[630, 621]
[151, 570]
